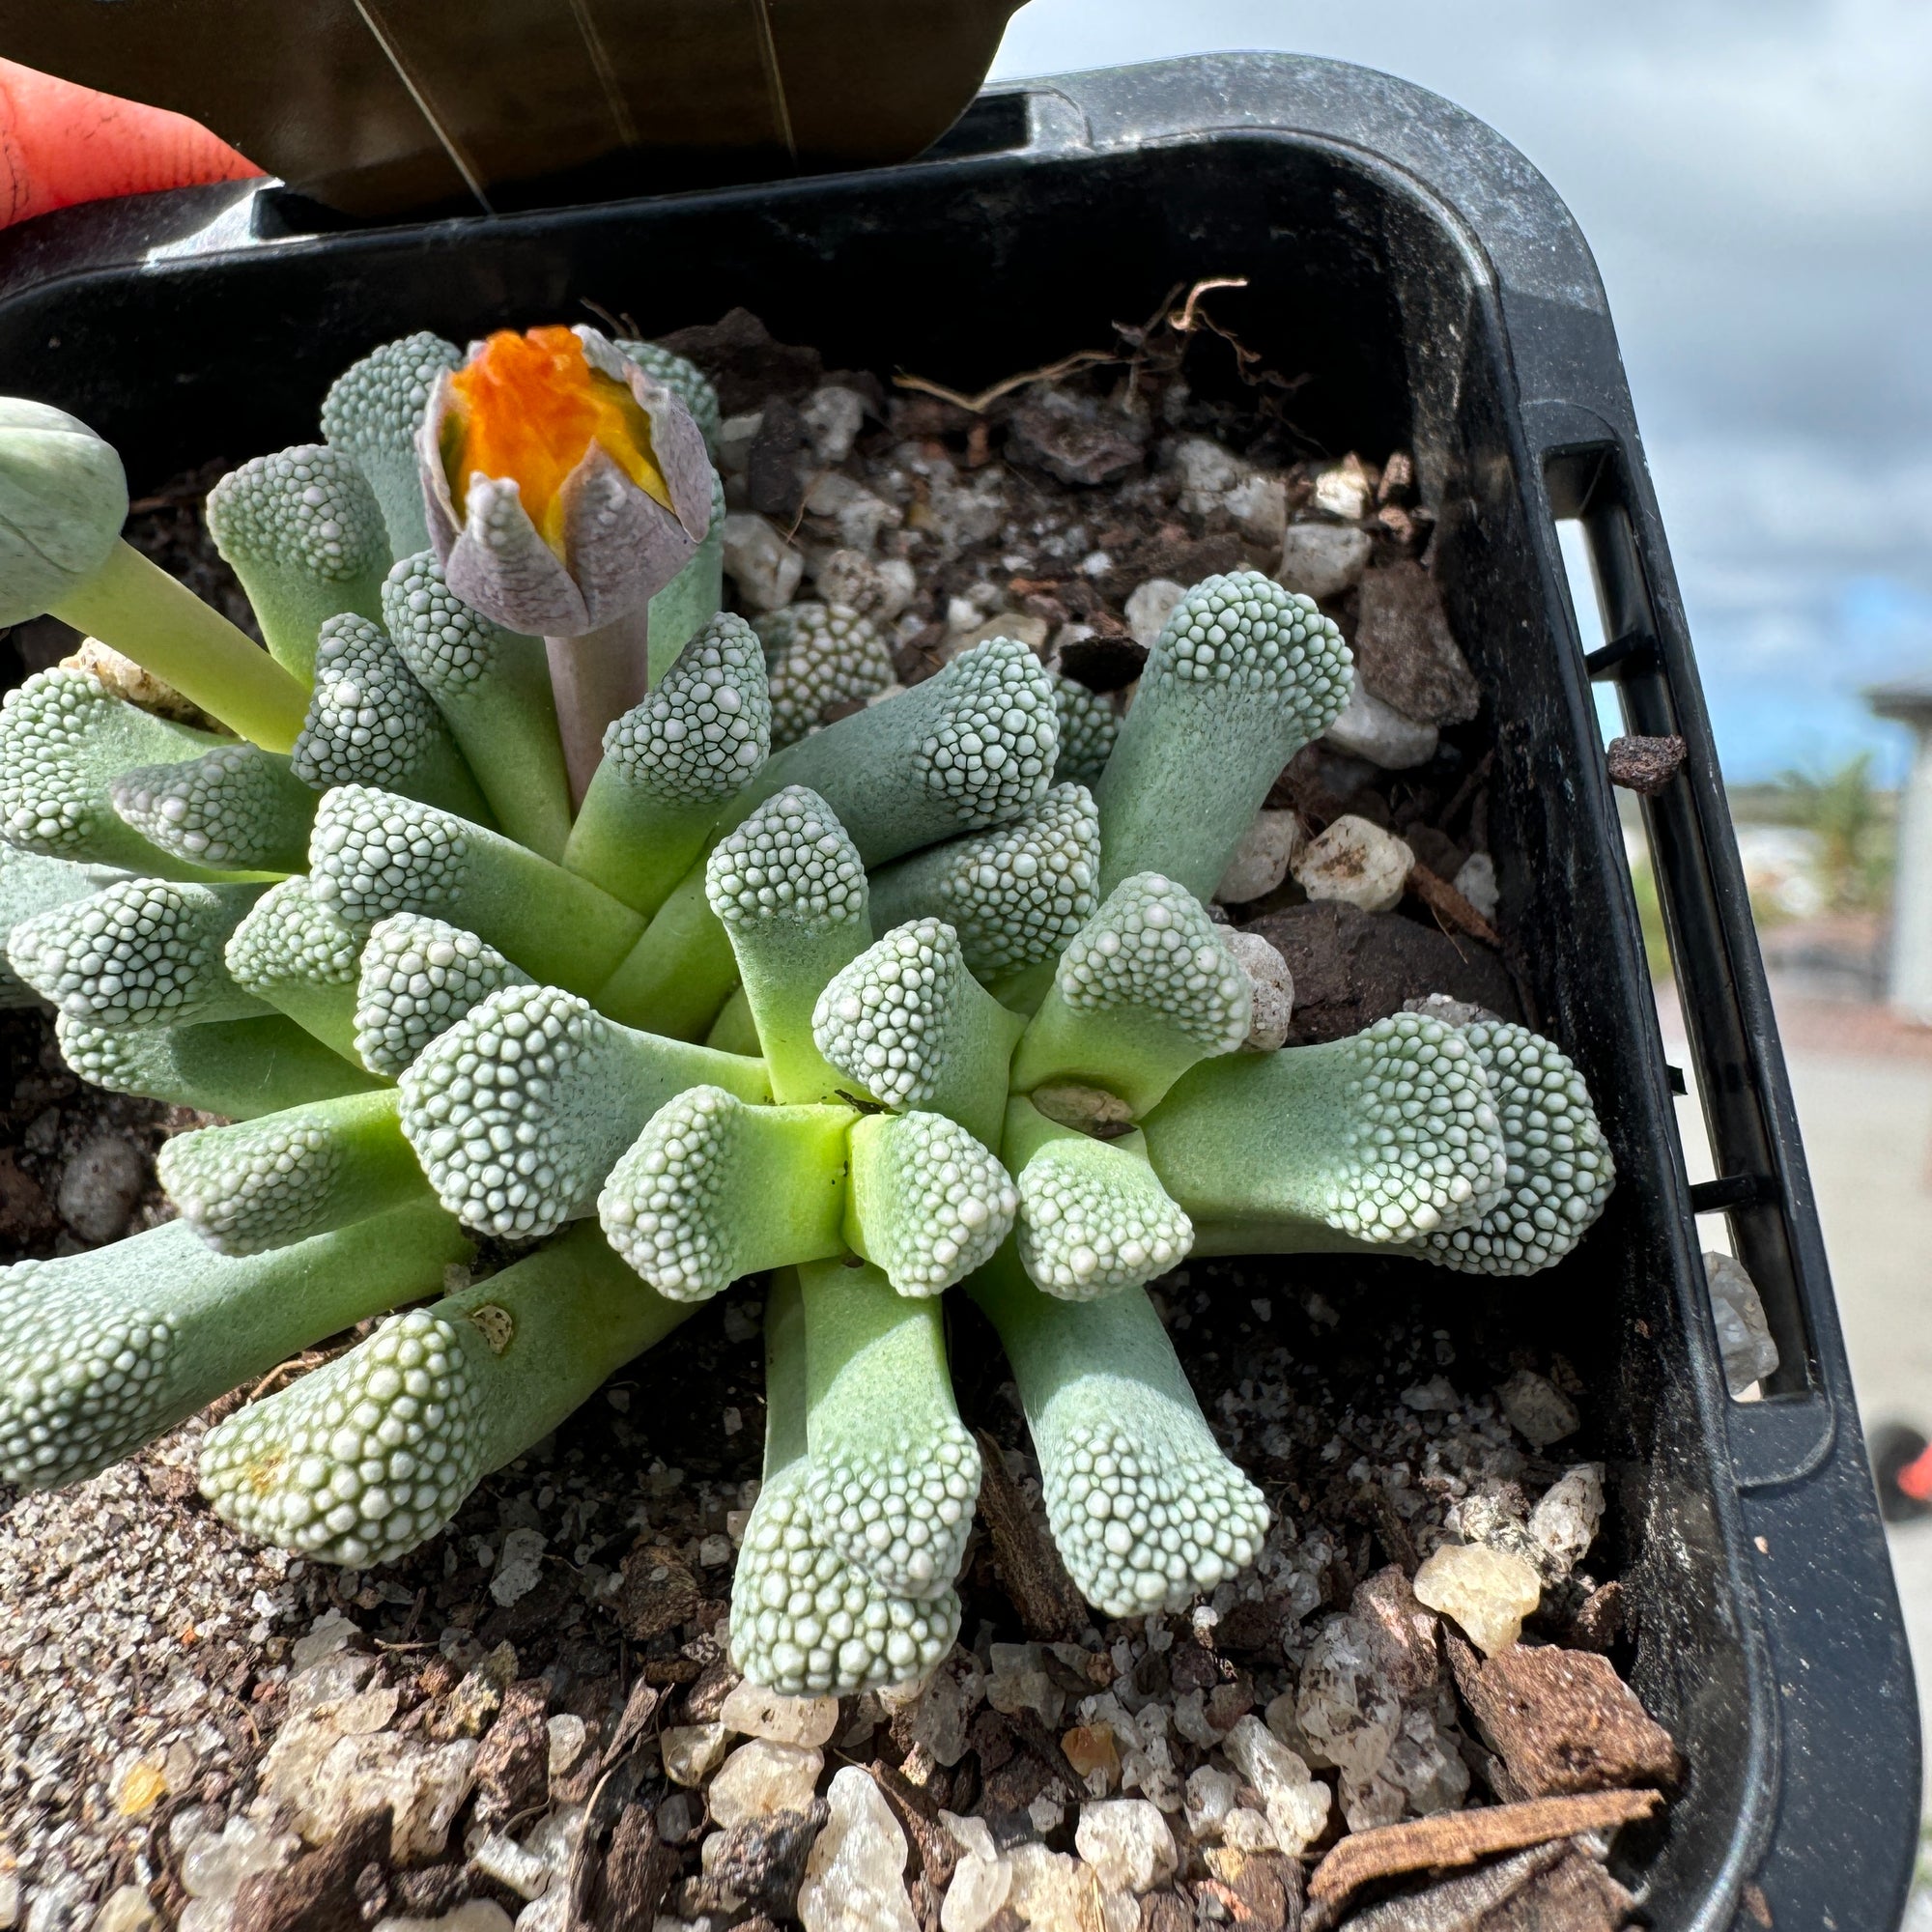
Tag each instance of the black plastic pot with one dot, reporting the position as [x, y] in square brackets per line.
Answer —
[1447, 302]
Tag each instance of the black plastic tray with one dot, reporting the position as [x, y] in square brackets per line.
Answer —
[1444, 296]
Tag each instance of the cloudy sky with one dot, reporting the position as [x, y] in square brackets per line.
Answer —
[1755, 177]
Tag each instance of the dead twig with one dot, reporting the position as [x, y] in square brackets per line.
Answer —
[1462, 1837]
[1465, 792]
[616, 326]
[294, 1366]
[1159, 343]
[1450, 906]
[977, 404]
[1184, 321]
[1036, 1579]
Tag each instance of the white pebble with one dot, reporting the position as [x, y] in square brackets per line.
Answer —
[1261, 860]
[855, 1874]
[1356, 862]
[1127, 1843]
[1487, 1591]
[1369, 728]
[1476, 880]
[757, 1712]
[1149, 607]
[1321, 559]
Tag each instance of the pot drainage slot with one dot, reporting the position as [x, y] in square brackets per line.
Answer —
[1695, 918]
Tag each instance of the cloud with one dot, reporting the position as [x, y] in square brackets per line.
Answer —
[1755, 178]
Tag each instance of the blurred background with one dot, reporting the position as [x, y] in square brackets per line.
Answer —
[1755, 178]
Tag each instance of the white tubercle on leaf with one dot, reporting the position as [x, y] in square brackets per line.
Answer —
[417, 978]
[1560, 1170]
[806, 1622]
[361, 1460]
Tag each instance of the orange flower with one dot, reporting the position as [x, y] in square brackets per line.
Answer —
[528, 408]
[563, 486]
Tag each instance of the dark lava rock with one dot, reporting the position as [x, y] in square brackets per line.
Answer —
[774, 472]
[1645, 765]
[1075, 439]
[322, 1889]
[1352, 968]
[657, 1594]
[745, 363]
[1102, 664]
[513, 1767]
[763, 1860]
[1405, 651]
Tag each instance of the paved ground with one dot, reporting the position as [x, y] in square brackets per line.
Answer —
[1863, 1086]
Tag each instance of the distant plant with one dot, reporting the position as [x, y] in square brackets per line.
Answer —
[1852, 823]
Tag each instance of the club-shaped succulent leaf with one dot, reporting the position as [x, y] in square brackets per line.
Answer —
[372, 414]
[821, 659]
[671, 764]
[305, 534]
[928, 1202]
[236, 808]
[65, 739]
[789, 887]
[373, 854]
[1242, 675]
[1384, 1137]
[1014, 894]
[715, 1189]
[493, 688]
[1092, 1216]
[892, 1482]
[139, 953]
[971, 747]
[295, 954]
[373, 1453]
[238, 1068]
[523, 1107]
[1146, 1508]
[805, 1622]
[1146, 988]
[264, 1183]
[371, 722]
[909, 1025]
[1558, 1169]
[101, 1353]
[417, 977]
[30, 884]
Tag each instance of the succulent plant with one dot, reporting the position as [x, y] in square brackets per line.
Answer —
[897, 1007]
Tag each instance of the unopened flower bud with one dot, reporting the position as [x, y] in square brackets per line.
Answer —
[564, 485]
